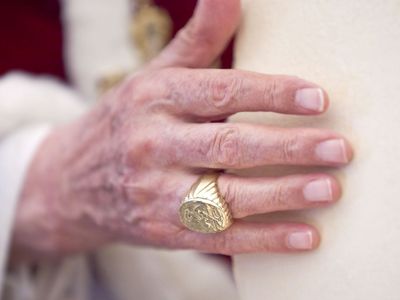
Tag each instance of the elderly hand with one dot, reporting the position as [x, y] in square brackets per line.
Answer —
[120, 172]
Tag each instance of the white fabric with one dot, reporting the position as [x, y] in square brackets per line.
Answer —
[15, 155]
[98, 41]
[352, 49]
[27, 99]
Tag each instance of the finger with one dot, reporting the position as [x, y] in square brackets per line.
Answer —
[204, 36]
[246, 237]
[215, 94]
[220, 145]
[250, 196]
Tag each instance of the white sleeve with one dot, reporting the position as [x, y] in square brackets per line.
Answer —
[16, 152]
[25, 102]
[27, 99]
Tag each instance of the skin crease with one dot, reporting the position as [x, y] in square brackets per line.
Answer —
[118, 174]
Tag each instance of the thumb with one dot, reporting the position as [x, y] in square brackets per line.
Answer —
[203, 38]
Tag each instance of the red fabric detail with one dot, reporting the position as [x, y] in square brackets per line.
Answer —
[31, 37]
[31, 34]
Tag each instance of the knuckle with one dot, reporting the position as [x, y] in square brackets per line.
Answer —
[118, 101]
[271, 241]
[142, 150]
[224, 91]
[130, 88]
[147, 145]
[231, 194]
[271, 91]
[278, 197]
[290, 149]
[225, 147]
[176, 90]
[278, 90]
[170, 85]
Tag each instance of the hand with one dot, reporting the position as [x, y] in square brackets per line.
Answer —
[120, 172]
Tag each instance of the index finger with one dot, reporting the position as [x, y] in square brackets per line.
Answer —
[204, 37]
[215, 94]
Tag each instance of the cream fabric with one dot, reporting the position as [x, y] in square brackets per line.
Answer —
[352, 49]
[152, 274]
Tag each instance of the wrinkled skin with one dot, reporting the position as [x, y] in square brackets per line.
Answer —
[119, 173]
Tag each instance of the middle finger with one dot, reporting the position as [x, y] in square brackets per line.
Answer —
[216, 94]
[220, 145]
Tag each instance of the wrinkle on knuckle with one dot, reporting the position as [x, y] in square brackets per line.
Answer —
[238, 199]
[271, 93]
[270, 241]
[224, 91]
[231, 194]
[290, 149]
[278, 197]
[225, 147]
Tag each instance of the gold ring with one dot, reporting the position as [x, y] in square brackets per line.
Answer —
[204, 209]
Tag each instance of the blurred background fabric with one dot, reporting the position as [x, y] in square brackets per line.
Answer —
[31, 35]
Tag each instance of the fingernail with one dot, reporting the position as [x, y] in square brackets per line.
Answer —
[301, 240]
[318, 190]
[311, 99]
[332, 151]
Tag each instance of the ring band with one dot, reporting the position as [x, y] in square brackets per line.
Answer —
[204, 209]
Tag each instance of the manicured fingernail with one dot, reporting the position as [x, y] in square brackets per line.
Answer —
[311, 99]
[301, 240]
[318, 190]
[332, 151]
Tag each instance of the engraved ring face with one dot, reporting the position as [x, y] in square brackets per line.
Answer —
[203, 216]
[204, 209]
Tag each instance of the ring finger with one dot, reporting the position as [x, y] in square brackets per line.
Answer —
[250, 196]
